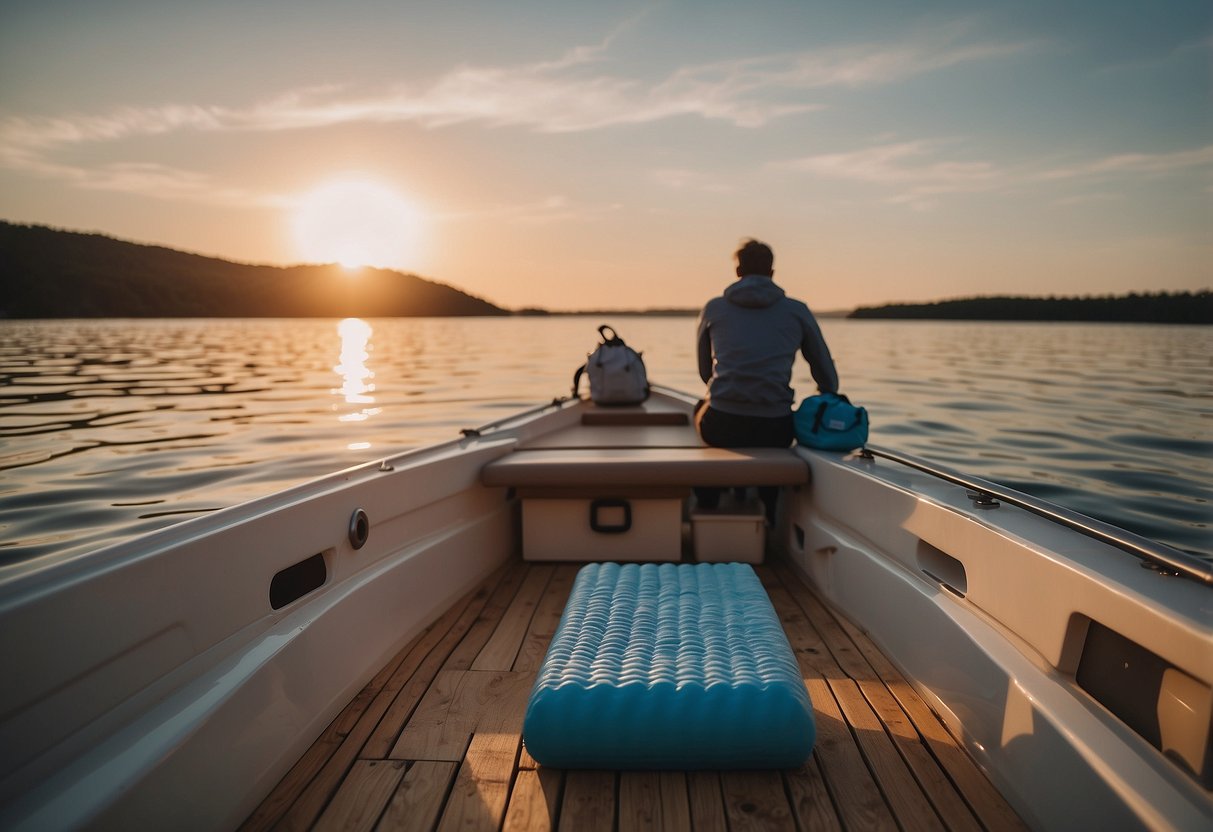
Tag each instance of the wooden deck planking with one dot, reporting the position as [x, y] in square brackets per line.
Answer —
[417, 803]
[434, 741]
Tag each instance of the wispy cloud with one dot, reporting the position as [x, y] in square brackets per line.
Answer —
[575, 91]
[1135, 163]
[550, 209]
[916, 175]
[1087, 199]
[681, 179]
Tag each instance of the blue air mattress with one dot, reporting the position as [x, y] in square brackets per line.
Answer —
[670, 666]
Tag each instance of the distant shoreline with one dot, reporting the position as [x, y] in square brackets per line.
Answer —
[55, 274]
[1135, 307]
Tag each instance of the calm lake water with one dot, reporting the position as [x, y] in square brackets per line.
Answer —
[113, 428]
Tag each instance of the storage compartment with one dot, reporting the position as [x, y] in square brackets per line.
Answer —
[734, 532]
[602, 529]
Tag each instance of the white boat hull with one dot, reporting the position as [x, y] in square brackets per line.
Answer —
[155, 686]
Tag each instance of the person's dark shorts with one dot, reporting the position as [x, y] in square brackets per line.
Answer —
[729, 430]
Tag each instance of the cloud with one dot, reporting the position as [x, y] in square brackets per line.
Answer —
[573, 92]
[550, 209]
[918, 177]
[680, 179]
[1087, 199]
[1135, 163]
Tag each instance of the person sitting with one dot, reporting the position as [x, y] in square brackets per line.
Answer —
[748, 338]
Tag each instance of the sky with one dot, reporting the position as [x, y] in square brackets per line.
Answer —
[585, 155]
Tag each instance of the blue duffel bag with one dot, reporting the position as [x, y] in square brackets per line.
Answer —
[829, 422]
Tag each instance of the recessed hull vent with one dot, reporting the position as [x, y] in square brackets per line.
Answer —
[294, 582]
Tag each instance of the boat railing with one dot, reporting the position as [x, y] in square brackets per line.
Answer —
[515, 417]
[986, 494]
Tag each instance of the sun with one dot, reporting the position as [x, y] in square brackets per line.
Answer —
[356, 222]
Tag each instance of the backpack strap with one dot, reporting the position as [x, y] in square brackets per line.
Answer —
[577, 378]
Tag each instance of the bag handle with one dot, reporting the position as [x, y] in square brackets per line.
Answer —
[821, 412]
[613, 339]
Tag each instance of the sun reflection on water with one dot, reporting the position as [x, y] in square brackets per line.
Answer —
[356, 377]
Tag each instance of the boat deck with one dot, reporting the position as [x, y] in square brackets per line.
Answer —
[433, 741]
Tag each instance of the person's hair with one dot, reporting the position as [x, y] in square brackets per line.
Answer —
[755, 258]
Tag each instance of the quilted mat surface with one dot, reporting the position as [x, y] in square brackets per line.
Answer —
[669, 666]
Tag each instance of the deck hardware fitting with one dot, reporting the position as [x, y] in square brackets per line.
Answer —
[983, 499]
[469, 433]
[1161, 569]
[386, 466]
[864, 453]
[360, 528]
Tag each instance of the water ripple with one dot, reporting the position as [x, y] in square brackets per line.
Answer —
[114, 428]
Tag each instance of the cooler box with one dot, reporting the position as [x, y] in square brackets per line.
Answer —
[736, 532]
[602, 529]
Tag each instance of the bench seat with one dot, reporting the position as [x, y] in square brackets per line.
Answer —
[671, 666]
[615, 467]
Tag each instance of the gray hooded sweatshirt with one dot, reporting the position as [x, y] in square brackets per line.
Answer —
[748, 340]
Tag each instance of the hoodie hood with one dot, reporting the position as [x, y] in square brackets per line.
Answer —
[754, 291]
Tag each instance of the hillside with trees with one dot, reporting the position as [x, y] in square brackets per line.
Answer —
[48, 273]
[1156, 307]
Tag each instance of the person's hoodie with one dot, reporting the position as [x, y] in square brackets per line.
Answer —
[748, 340]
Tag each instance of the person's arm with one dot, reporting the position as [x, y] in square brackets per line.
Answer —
[704, 349]
[817, 353]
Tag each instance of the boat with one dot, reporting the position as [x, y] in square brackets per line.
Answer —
[358, 650]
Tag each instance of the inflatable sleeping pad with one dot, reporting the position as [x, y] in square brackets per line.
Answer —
[669, 666]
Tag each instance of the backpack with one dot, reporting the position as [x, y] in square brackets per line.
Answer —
[616, 372]
[830, 422]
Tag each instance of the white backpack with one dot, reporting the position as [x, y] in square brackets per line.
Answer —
[616, 372]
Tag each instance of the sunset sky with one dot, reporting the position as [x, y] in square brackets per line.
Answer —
[585, 155]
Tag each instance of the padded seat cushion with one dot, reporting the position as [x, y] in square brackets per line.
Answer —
[647, 466]
[669, 666]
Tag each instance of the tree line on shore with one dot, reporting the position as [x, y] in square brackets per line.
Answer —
[50, 273]
[1135, 307]
[47, 273]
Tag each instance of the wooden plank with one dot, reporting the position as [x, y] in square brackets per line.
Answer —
[502, 647]
[280, 799]
[431, 702]
[546, 619]
[589, 801]
[986, 801]
[457, 704]
[419, 676]
[481, 631]
[939, 789]
[350, 715]
[534, 800]
[675, 800]
[807, 645]
[844, 652]
[810, 800]
[990, 807]
[910, 806]
[707, 801]
[478, 798]
[852, 787]
[418, 801]
[639, 801]
[300, 797]
[755, 800]
[363, 794]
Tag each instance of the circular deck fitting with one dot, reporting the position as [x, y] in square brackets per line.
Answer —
[360, 528]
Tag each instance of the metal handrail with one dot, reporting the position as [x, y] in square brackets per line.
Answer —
[1172, 559]
[514, 417]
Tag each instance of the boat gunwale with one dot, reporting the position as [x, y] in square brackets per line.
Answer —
[1181, 562]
